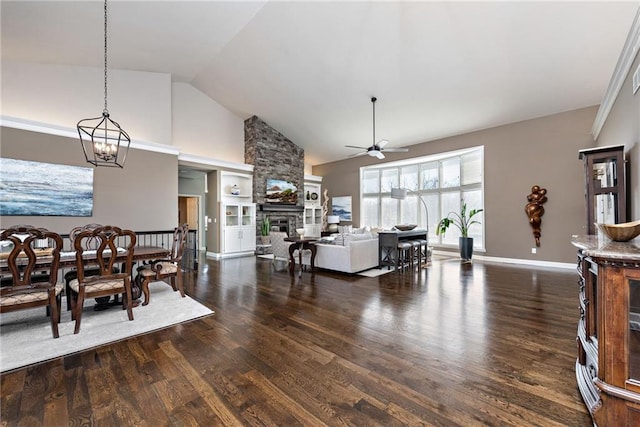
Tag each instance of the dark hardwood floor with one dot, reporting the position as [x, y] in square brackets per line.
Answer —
[471, 344]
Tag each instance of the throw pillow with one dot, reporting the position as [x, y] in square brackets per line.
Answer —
[362, 236]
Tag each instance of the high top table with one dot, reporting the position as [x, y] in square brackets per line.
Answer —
[388, 244]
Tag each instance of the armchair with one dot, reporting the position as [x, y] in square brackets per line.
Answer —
[280, 250]
[167, 268]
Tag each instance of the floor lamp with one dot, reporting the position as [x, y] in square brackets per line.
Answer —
[401, 194]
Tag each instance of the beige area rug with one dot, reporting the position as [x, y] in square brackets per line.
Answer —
[25, 336]
[375, 272]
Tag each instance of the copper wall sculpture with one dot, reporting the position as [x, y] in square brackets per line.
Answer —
[535, 210]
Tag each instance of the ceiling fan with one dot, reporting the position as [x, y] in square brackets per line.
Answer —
[377, 148]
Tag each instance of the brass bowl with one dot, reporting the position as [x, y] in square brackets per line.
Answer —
[405, 227]
[621, 232]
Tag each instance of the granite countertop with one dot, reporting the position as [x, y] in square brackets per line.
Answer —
[601, 246]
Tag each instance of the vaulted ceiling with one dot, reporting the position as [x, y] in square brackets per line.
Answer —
[309, 69]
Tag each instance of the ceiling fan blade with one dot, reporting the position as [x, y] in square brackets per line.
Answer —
[382, 143]
[355, 146]
[396, 150]
[379, 155]
[359, 154]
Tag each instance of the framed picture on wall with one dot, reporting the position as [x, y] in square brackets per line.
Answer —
[45, 189]
[341, 206]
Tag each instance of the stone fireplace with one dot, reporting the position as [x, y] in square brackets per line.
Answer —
[274, 156]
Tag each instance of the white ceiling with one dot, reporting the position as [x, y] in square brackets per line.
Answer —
[309, 69]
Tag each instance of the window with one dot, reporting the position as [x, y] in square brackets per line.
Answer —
[442, 181]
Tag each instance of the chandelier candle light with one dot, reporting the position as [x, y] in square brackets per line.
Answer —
[103, 141]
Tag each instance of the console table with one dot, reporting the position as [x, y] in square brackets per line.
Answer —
[608, 362]
[388, 244]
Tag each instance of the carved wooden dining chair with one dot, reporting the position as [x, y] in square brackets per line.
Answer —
[90, 245]
[166, 268]
[107, 240]
[33, 266]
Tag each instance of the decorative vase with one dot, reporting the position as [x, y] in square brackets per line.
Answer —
[466, 248]
[235, 190]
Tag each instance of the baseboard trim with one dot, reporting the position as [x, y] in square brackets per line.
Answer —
[524, 262]
[216, 255]
[527, 262]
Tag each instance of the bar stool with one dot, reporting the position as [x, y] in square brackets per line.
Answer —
[416, 253]
[404, 255]
[424, 253]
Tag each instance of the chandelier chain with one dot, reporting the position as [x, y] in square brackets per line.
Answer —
[105, 58]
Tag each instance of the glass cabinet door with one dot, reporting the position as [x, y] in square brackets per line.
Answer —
[247, 215]
[634, 330]
[605, 176]
[231, 215]
[605, 186]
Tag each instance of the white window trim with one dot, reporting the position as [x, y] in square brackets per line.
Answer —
[428, 159]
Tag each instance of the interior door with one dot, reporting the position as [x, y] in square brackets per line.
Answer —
[188, 211]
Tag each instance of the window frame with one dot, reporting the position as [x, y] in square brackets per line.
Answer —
[384, 201]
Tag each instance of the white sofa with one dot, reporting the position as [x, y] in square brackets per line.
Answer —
[353, 257]
[350, 253]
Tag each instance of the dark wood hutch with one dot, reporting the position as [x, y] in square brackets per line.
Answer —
[608, 363]
[605, 191]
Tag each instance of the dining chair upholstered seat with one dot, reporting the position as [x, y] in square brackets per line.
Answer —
[166, 268]
[31, 297]
[169, 268]
[101, 285]
[29, 282]
[107, 240]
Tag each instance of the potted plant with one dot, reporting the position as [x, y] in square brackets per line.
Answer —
[462, 221]
[265, 229]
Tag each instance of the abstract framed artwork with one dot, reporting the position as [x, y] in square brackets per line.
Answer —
[341, 206]
[44, 189]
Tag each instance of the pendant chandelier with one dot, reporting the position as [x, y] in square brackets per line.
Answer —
[103, 141]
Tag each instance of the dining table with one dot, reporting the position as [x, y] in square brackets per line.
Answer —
[68, 258]
[68, 261]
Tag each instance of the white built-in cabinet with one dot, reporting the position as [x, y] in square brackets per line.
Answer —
[312, 220]
[237, 213]
[238, 227]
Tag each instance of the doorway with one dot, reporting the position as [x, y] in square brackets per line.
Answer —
[189, 211]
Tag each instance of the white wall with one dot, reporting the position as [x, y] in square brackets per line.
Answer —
[147, 105]
[203, 127]
[62, 95]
